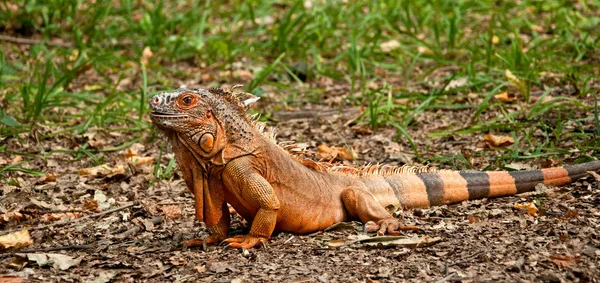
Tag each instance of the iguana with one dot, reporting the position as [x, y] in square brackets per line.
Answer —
[226, 156]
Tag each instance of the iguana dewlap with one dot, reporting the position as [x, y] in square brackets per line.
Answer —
[226, 157]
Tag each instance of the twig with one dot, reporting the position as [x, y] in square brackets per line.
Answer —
[446, 278]
[63, 211]
[29, 41]
[71, 221]
[44, 250]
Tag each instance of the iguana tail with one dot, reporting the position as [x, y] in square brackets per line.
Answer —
[446, 187]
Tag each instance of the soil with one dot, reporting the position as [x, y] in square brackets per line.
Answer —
[482, 240]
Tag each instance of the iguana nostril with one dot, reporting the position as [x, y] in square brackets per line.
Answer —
[156, 100]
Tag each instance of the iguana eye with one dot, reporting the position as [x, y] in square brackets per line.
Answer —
[187, 101]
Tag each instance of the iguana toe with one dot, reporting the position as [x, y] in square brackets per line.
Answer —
[389, 226]
[198, 242]
[245, 242]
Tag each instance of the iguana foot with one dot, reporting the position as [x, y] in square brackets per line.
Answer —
[198, 242]
[245, 242]
[389, 226]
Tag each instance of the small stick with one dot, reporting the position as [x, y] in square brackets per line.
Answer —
[71, 221]
[29, 41]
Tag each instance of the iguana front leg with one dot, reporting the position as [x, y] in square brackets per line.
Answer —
[255, 192]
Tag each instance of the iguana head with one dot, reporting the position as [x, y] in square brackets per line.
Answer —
[205, 120]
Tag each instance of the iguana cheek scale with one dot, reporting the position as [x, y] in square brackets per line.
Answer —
[226, 156]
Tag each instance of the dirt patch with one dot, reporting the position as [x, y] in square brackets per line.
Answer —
[480, 240]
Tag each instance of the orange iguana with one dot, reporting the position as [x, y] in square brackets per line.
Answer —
[226, 157]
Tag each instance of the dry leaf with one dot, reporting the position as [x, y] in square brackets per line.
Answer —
[564, 260]
[58, 261]
[529, 206]
[104, 202]
[498, 141]
[333, 152]
[134, 150]
[146, 55]
[17, 158]
[506, 97]
[140, 160]
[11, 216]
[49, 217]
[515, 81]
[50, 177]
[545, 99]
[389, 45]
[175, 260]
[473, 219]
[571, 213]
[424, 50]
[171, 211]
[460, 82]
[17, 239]
[102, 171]
[10, 279]
[200, 268]
[595, 175]
[386, 241]
[91, 205]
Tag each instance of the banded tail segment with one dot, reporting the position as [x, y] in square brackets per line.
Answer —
[432, 189]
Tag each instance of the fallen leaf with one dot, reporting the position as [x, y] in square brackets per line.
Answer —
[529, 206]
[506, 97]
[102, 171]
[146, 55]
[134, 150]
[140, 160]
[91, 205]
[11, 216]
[10, 279]
[49, 217]
[595, 175]
[50, 177]
[386, 241]
[498, 141]
[200, 268]
[327, 152]
[544, 99]
[564, 260]
[171, 211]
[571, 213]
[104, 202]
[17, 239]
[513, 80]
[424, 50]
[389, 45]
[17, 158]
[460, 82]
[174, 260]
[57, 261]
[473, 219]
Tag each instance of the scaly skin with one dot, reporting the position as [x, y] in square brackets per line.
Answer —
[226, 158]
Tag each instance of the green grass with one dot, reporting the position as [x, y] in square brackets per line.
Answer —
[98, 80]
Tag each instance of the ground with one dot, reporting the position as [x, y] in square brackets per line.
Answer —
[90, 190]
[480, 240]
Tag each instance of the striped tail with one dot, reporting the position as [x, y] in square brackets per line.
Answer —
[446, 187]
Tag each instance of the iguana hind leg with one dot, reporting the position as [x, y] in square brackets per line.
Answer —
[363, 205]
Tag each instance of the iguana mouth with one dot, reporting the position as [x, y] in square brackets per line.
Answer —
[167, 115]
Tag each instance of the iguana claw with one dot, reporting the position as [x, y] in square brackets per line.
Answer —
[245, 242]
